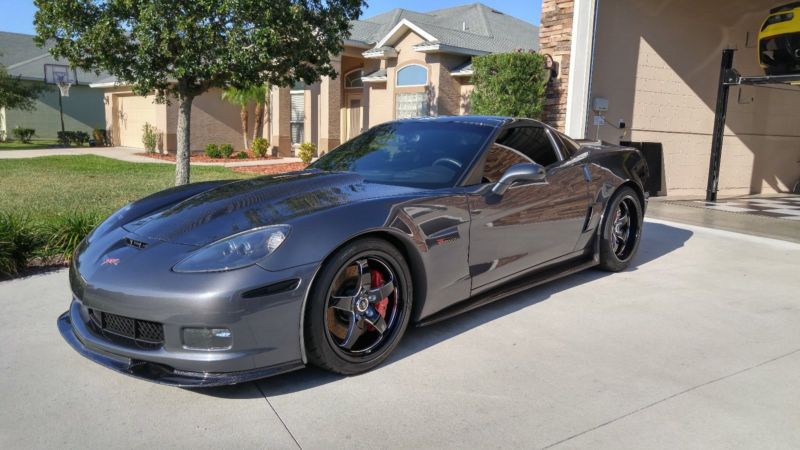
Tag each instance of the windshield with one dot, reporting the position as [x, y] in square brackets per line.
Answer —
[429, 155]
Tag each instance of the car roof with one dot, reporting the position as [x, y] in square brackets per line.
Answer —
[494, 121]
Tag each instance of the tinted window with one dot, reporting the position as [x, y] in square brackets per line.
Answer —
[533, 142]
[412, 75]
[498, 159]
[416, 154]
[570, 146]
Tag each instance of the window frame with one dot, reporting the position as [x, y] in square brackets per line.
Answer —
[344, 79]
[400, 69]
[302, 122]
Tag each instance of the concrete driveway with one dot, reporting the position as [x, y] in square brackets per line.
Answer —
[697, 346]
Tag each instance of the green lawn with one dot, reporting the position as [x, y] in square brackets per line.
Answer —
[36, 143]
[46, 186]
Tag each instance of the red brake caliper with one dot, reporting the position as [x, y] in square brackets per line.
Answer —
[377, 280]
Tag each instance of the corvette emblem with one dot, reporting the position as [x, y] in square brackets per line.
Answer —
[111, 261]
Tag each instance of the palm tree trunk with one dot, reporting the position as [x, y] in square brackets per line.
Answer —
[243, 115]
[258, 126]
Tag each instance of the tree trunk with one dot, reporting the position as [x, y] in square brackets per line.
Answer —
[243, 115]
[258, 127]
[183, 153]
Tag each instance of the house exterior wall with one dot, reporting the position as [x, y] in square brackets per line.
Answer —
[663, 84]
[555, 39]
[214, 120]
[83, 111]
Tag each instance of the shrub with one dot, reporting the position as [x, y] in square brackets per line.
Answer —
[65, 232]
[149, 137]
[100, 137]
[3, 136]
[19, 241]
[67, 138]
[242, 155]
[23, 134]
[509, 84]
[306, 152]
[212, 151]
[226, 150]
[260, 147]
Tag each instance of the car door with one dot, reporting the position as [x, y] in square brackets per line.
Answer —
[531, 223]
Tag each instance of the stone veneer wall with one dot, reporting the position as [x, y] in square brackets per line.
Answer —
[555, 39]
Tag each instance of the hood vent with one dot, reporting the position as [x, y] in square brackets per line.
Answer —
[134, 243]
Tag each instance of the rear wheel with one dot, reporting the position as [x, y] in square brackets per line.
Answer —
[359, 307]
[622, 230]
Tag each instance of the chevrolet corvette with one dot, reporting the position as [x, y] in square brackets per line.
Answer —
[411, 222]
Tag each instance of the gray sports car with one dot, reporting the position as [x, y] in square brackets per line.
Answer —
[413, 221]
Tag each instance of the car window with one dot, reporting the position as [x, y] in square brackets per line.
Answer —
[423, 154]
[571, 148]
[533, 142]
[498, 159]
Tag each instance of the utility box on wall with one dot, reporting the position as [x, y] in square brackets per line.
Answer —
[653, 153]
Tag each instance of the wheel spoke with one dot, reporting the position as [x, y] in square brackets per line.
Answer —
[376, 295]
[342, 303]
[354, 331]
[373, 318]
[364, 276]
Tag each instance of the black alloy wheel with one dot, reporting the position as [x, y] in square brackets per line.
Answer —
[359, 307]
[622, 230]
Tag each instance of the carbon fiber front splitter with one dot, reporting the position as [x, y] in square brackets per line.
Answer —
[162, 374]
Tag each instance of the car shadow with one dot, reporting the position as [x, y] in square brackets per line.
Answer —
[657, 240]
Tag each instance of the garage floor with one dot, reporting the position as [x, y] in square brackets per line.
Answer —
[697, 346]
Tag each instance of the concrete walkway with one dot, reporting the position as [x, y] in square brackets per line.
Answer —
[130, 155]
[696, 346]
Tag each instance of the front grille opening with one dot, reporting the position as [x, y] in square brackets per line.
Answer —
[128, 331]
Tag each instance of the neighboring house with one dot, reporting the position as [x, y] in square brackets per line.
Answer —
[83, 109]
[658, 65]
[398, 64]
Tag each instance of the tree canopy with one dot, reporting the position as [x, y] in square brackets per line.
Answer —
[16, 94]
[509, 84]
[179, 49]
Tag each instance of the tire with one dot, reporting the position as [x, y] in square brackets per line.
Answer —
[363, 288]
[619, 241]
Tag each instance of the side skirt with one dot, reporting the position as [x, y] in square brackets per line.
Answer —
[513, 287]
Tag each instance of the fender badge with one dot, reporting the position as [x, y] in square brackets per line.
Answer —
[111, 261]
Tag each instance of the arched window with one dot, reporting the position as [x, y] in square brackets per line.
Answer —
[412, 75]
[353, 79]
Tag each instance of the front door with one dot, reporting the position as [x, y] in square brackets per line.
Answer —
[353, 115]
[532, 223]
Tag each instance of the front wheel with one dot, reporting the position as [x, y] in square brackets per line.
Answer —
[621, 230]
[359, 307]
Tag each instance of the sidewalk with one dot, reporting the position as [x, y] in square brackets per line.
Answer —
[130, 155]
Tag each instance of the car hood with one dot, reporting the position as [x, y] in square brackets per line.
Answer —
[242, 205]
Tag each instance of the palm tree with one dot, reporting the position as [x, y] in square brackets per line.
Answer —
[242, 98]
[260, 97]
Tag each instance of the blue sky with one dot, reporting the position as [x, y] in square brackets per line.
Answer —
[17, 15]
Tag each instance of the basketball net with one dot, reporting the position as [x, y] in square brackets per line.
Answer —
[64, 86]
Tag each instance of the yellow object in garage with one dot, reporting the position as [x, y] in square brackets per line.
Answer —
[779, 41]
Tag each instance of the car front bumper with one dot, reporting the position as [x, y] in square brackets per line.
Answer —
[266, 327]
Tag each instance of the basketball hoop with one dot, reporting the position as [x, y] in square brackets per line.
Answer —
[64, 77]
[64, 86]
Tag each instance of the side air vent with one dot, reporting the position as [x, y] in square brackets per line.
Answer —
[134, 243]
[274, 288]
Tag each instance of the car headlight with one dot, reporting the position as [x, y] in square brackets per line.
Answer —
[234, 252]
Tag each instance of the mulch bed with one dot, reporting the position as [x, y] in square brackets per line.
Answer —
[200, 157]
[271, 169]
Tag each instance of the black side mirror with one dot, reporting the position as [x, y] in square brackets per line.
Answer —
[519, 172]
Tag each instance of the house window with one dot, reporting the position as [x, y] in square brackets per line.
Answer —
[298, 115]
[411, 105]
[413, 75]
[353, 79]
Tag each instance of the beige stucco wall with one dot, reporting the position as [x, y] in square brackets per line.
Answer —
[213, 120]
[657, 62]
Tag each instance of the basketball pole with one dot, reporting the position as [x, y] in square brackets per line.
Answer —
[61, 111]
